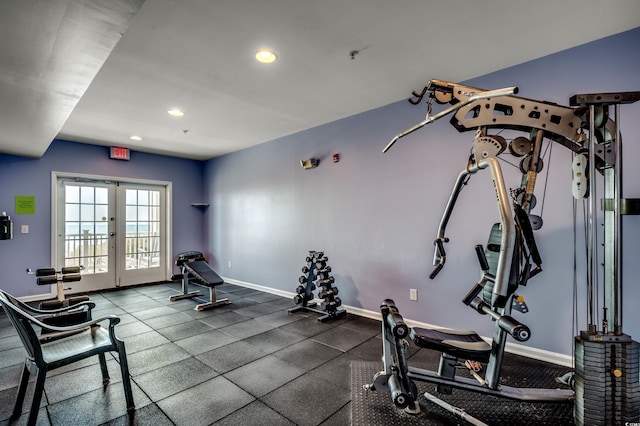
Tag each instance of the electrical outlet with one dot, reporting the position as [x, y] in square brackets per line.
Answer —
[413, 294]
[229, 264]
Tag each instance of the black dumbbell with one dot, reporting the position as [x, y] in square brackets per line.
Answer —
[321, 263]
[330, 292]
[333, 305]
[326, 282]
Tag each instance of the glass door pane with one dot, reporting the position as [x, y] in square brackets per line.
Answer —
[144, 240]
[143, 229]
[87, 240]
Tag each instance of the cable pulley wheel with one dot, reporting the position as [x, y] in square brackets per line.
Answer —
[525, 164]
[489, 146]
[536, 222]
[600, 115]
[603, 135]
[532, 200]
[443, 97]
[520, 146]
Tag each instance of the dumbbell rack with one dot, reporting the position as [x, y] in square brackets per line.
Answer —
[317, 274]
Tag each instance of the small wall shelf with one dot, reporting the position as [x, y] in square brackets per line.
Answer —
[200, 205]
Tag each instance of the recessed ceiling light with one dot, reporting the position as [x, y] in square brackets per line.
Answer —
[176, 112]
[266, 56]
[135, 138]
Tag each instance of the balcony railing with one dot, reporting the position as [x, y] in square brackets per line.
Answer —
[142, 250]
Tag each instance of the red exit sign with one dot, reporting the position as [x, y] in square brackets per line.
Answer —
[119, 153]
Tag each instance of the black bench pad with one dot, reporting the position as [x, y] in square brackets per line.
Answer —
[461, 344]
[204, 273]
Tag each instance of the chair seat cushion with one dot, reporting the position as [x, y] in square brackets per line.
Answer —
[461, 344]
[86, 342]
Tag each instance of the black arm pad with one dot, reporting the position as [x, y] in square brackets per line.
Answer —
[482, 258]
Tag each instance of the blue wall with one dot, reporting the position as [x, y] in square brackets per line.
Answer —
[376, 215]
[27, 176]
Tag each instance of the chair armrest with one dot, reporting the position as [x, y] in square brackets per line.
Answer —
[113, 320]
[38, 312]
[57, 335]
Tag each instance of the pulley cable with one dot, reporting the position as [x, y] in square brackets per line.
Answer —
[574, 305]
[549, 148]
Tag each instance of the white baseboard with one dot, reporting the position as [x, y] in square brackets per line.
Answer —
[37, 297]
[513, 348]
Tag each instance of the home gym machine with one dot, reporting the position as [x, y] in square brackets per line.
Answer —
[195, 269]
[605, 384]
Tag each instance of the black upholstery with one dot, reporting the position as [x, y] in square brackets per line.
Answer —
[461, 344]
[203, 273]
[492, 253]
[196, 270]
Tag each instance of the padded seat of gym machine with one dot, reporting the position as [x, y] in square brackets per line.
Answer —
[204, 274]
[461, 344]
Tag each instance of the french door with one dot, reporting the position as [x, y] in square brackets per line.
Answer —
[115, 230]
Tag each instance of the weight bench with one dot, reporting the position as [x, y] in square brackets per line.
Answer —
[195, 269]
[59, 314]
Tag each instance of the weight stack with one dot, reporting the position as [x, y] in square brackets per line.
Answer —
[606, 380]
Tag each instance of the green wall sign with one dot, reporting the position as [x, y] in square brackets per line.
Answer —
[25, 204]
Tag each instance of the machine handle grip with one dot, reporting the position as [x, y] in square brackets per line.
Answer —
[473, 293]
[431, 118]
[440, 257]
[436, 270]
[482, 258]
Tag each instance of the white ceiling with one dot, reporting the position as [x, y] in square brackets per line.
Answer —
[57, 78]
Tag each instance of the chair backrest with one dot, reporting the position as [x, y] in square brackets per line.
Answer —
[22, 322]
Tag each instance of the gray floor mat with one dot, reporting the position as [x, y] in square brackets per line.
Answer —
[376, 408]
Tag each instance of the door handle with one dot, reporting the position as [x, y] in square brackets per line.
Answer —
[112, 234]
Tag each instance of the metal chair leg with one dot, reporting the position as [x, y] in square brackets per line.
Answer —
[126, 379]
[105, 370]
[37, 397]
[22, 389]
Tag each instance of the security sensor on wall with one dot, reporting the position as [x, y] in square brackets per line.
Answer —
[309, 164]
